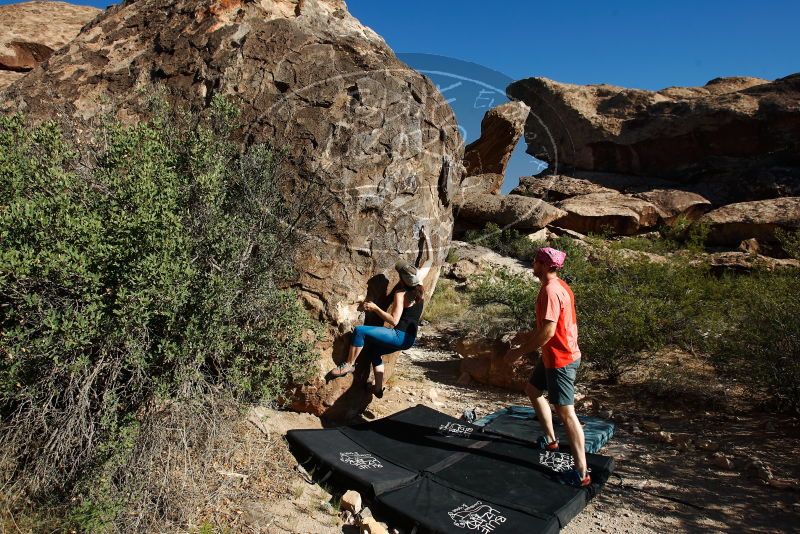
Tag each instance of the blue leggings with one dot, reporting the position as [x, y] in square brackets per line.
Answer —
[381, 340]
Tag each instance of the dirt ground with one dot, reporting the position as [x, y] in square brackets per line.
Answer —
[669, 447]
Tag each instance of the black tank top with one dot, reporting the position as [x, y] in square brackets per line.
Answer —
[411, 315]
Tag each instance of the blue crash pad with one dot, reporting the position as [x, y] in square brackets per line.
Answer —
[519, 422]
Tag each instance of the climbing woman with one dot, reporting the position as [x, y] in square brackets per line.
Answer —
[403, 316]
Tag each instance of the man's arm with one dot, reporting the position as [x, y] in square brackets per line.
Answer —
[533, 340]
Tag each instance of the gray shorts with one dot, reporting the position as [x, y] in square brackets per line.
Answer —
[558, 383]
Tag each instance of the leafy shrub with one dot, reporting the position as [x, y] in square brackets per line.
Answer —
[137, 272]
[790, 242]
[506, 241]
[756, 334]
[446, 303]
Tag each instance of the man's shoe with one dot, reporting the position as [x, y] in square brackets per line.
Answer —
[379, 393]
[573, 478]
[547, 445]
[342, 369]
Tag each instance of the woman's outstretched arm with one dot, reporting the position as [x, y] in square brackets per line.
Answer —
[424, 269]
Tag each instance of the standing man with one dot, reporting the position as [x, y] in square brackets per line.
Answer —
[557, 334]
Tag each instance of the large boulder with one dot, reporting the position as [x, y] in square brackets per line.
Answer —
[376, 137]
[484, 360]
[674, 203]
[555, 187]
[740, 132]
[608, 212]
[732, 224]
[512, 211]
[33, 30]
[472, 258]
[501, 129]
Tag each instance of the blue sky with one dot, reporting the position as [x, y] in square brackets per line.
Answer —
[643, 44]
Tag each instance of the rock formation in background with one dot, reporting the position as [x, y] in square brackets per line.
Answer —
[734, 223]
[512, 211]
[377, 138]
[31, 31]
[733, 139]
[682, 149]
[501, 129]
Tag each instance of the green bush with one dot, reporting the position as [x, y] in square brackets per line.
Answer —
[790, 242]
[136, 271]
[506, 241]
[755, 333]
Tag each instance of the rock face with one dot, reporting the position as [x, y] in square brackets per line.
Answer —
[482, 183]
[603, 212]
[33, 30]
[472, 258]
[511, 210]
[555, 187]
[732, 224]
[674, 203]
[732, 130]
[485, 362]
[501, 129]
[376, 137]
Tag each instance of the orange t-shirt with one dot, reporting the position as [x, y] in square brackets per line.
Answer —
[557, 303]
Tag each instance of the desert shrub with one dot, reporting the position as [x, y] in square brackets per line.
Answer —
[511, 298]
[755, 335]
[505, 241]
[446, 303]
[686, 233]
[789, 241]
[137, 273]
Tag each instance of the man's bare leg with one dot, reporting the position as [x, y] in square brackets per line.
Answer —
[576, 438]
[542, 411]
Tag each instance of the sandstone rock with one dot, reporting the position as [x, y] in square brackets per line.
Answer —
[371, 526]
[555, 187]
[744, 262]
[540, 236]
[739, 132]
[33, 30]
[674, 203]
[566, 232]
[351, 501]
[376, 137]
[483, 259]
[501, 129]
[485, 362]
[707, 445]
[508, 211]
[731, 224]
[722, 461]
[751, 246]
[650, 426]
[482, 183]
[608, 212]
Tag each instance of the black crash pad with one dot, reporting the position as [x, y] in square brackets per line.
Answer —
[424, 468]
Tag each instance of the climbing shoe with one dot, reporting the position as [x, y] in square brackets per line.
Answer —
[573, 478]
[342, 369]
[546, 444]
